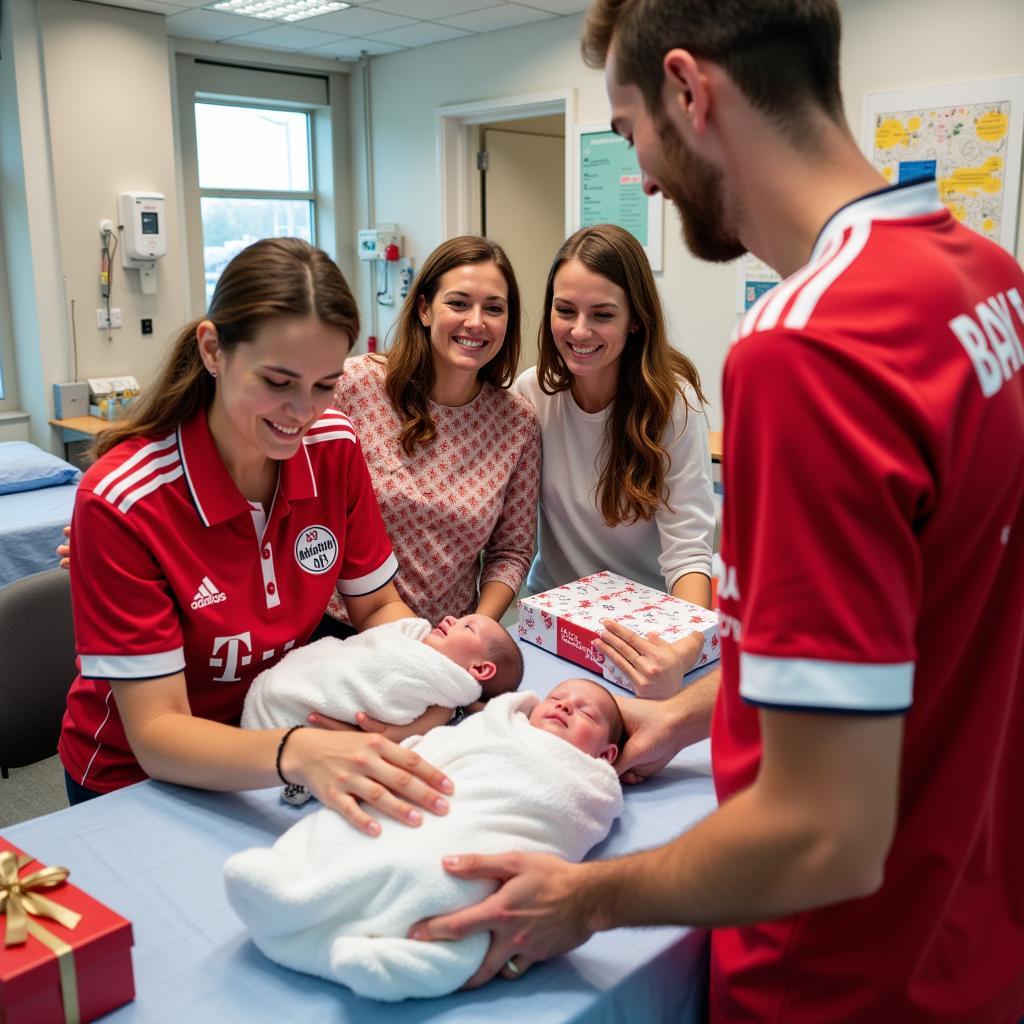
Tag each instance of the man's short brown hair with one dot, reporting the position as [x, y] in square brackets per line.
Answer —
[782, 54]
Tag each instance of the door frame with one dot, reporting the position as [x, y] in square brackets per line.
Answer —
[456, 149]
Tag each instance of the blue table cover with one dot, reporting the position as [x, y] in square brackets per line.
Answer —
[154, 853]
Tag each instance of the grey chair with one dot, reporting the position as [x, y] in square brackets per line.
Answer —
[37, 666]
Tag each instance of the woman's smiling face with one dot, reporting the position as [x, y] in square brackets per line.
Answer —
[467, 317]
[272, 389]
[590, 321]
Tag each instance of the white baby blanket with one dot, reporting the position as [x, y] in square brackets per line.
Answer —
[332, 901]
[386, 671]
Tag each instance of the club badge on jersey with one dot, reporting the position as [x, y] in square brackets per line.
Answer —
[316, 550]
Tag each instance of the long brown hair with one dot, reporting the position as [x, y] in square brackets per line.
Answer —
[410, 360]
[275, 277]
[634, 462]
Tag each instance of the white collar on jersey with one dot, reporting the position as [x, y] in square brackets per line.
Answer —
[895, 202]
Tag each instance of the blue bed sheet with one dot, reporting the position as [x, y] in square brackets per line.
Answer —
[30, 529]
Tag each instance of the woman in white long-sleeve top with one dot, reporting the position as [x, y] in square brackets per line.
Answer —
[626, 473]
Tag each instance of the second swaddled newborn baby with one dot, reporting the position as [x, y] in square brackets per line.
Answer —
[529, 774]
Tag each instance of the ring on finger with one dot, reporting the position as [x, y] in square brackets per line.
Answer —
[512, 967]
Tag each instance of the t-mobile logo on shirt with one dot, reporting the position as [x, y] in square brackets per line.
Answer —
[233, 657]
[991, 340]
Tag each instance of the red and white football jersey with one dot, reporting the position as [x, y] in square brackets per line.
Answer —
[873, 550]
[174, 570]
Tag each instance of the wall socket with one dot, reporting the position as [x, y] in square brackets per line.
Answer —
[101, 319]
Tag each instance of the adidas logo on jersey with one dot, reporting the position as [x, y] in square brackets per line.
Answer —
[208, 594]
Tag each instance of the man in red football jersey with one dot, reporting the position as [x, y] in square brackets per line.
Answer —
[868, 741]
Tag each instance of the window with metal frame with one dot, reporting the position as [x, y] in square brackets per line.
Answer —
[256, 178]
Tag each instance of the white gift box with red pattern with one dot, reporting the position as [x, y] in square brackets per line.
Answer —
[567, 619]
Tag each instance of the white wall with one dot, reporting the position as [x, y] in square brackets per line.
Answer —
[30, 235]
[886, 46]
[86, 111]
[93, 118]
[108, 77]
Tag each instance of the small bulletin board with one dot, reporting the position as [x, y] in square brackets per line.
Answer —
[608, 189]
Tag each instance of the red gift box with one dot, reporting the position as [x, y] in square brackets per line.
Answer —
[96, 974]
[567, 619]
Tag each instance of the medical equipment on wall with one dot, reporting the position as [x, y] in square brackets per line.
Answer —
[105, 317]
[143, 227]
[381, 245]
[405, 276]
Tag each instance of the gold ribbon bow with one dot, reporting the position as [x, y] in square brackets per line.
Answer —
[19, 897]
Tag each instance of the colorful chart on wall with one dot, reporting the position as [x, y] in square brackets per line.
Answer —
[609, 189]
[968, 136]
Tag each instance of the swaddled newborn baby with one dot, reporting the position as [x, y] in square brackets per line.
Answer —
[393, 672]
[529, 775]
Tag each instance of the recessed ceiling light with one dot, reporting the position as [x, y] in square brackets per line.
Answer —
[278, 10]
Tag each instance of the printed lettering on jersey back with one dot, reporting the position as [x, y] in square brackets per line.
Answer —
[990, 339]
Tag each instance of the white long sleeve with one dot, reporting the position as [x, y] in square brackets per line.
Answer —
[572, 538]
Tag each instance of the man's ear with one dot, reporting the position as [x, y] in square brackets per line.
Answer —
[609, 753]
[686, 88]
[483, 670]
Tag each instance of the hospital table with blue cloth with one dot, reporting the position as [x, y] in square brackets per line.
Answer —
[154, 853]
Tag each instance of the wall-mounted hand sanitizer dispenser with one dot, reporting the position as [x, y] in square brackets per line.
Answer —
[143, 223]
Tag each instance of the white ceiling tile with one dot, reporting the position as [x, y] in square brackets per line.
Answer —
[560, 6]
[200, 24]
[283, 37]
[349, 49]
[421, 34]
[357, 21]
[492, 18]
[430, 10]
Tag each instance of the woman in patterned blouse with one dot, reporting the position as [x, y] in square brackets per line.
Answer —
[454, 455]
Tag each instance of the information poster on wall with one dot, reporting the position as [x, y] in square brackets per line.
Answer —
[609, 189]
[967, 136]
[754, 278]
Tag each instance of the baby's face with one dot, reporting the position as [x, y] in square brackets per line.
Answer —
[466, 641]
[581, 712]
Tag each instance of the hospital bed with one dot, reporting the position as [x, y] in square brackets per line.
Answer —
[37, 496]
